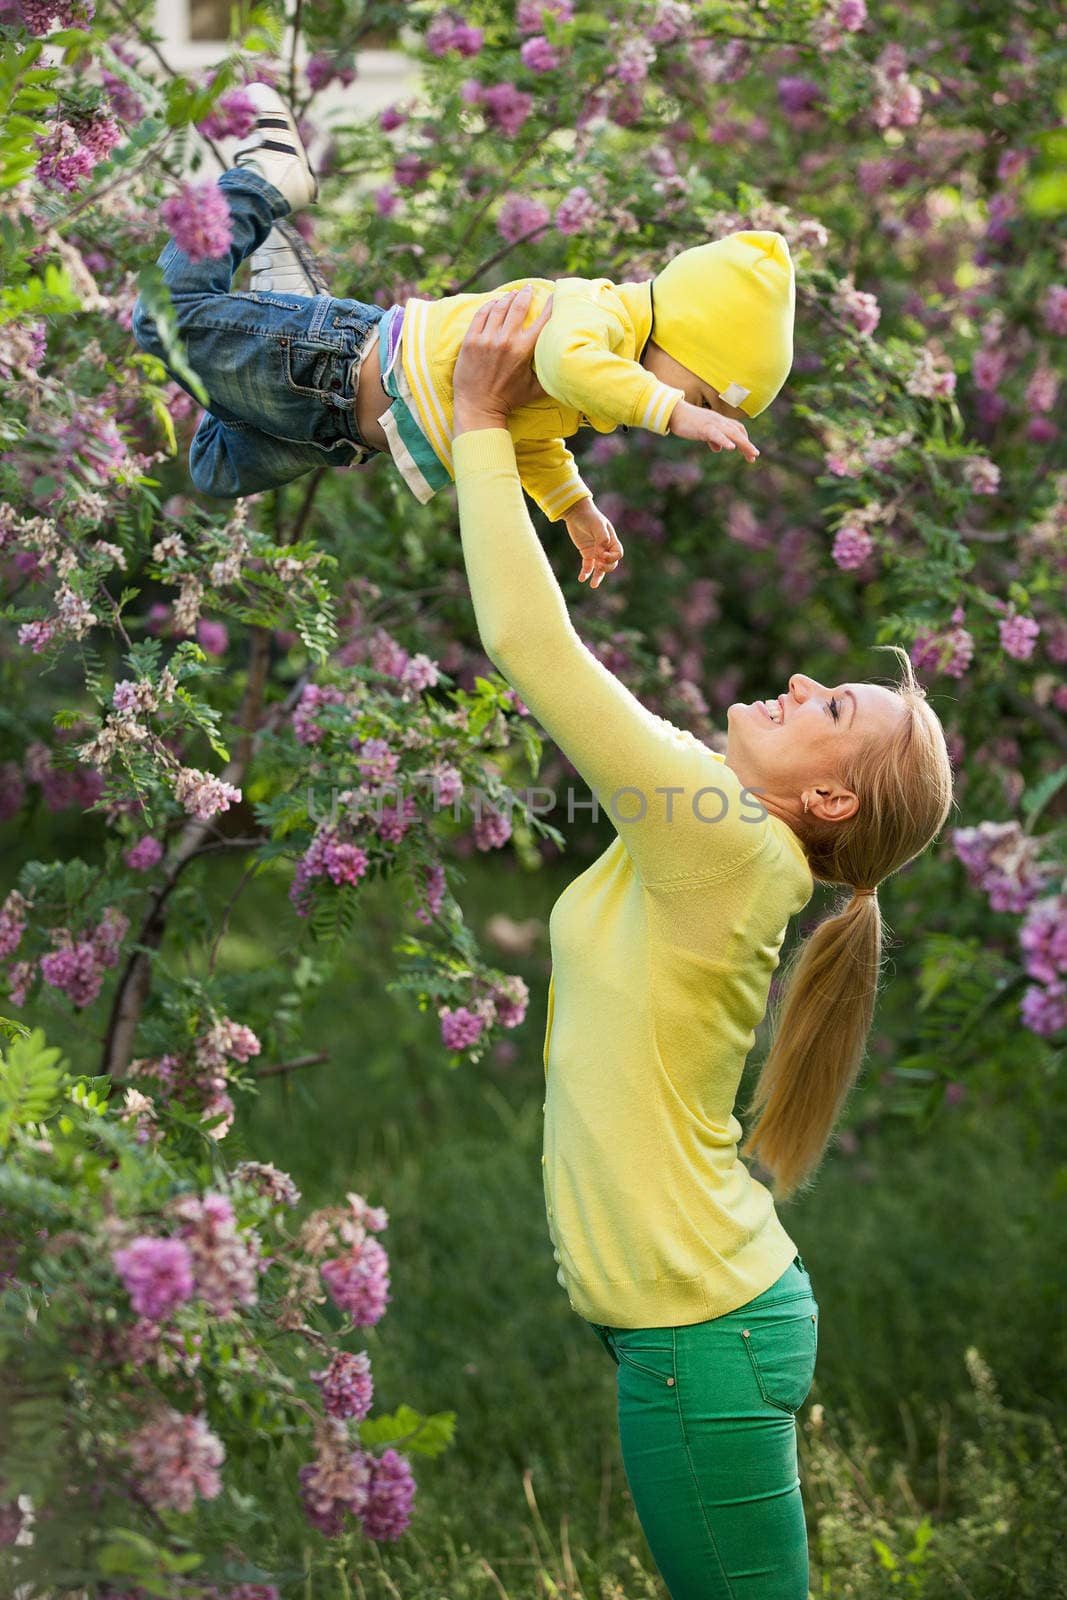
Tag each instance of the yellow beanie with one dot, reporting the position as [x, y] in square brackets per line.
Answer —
[725, 311]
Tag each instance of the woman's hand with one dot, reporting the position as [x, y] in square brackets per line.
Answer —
[493, 373]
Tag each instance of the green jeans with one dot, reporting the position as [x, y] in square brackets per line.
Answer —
[707, 1424]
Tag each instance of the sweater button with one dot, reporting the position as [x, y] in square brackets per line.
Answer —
[670, 1383]
[744, 1333]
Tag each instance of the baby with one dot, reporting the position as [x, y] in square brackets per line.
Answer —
[294, 375]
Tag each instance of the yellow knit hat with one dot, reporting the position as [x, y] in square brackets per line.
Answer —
[725, 311]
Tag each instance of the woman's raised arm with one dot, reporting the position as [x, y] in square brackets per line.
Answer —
[681, 811]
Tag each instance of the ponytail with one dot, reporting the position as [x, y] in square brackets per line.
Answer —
[826, 1004]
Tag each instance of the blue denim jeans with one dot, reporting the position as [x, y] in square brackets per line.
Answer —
[707, 1425]
[280, 370]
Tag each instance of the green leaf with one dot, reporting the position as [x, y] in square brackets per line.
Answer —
[30, 1078]
[1036, 799]
[408, 1430]
[156, 300]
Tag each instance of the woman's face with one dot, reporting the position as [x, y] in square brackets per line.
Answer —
[790, 748]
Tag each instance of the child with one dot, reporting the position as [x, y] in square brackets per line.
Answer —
[298, 379]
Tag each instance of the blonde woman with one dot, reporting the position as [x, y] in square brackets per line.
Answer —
[663, 952]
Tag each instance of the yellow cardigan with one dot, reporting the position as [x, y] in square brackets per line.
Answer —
[586, 359]
[662, 956]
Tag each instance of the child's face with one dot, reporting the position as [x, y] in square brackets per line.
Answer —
[696, 391]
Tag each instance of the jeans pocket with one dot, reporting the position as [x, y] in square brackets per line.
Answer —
[783, 1355]
[655, 1359]
[311, 368]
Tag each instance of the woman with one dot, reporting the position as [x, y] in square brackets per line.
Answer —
[663, 952]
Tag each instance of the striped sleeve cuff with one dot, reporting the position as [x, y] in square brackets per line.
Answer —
[657, 413]
[559, 502]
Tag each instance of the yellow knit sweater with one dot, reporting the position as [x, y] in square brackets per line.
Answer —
[662, 952]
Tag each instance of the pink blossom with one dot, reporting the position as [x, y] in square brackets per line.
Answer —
[852, 545]
[575, 211]
[633, 58]
[460, 1028]
[64, 161]
[530, 14]
[269, 1180]
[1018, 635]
[951, 652]
[225, 1263]
[1044, 1009]
[312, 698]
[19, 978]
[519, 216]
[212, 637]
[446, 33]
[202, 795]
[386, 201]
[389, 1501]
[669, 22]
[387, 654]
[392, 117]
[987, 368]
[199, 219]
[321, 69]
[411, 170]
[39, 15]
[932, 377]
[507, 108]
[420, 672]
[538, 55]
[435, 894]
[231, 117]
[981, 476]
[144, 855]
[358, 1282]
[1043, 388]
[75, 971]
[1010, 164]
[492, 829]
[1054, 308]
[797, 95]
[337, 1481]
[157, 1274]
[176, 1457]
[1004, 862]
[346, 1385]
[394, 820]
[857, 307]
[12, 923]
[1043, 937]
[510, 1000]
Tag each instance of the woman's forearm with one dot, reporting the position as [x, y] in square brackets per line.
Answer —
[469, 415]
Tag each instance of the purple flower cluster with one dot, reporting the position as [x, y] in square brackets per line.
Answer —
[434, 890]
[202, 795]
[77, 967]
[157, 1274]
[338, 1480]
[327, 856]
[492, 829]
[312, 698]
[950, 652]
[231, 117]
[39, 15]
[1018, 635]
[144, 855]
[346, 1385]
[448, 32]
[576, 211]
[1043, 938]
[387, 1512]
[176, 1457]
[322, 69]
[358, 1282]
[1003, 861]
[852, 545]
[539, 54]
[269, 1180]
[199, 219]
[12, 923]
[506, 108]
[225, 1263]
[460, 1028]
[530, 14]
[519, 216]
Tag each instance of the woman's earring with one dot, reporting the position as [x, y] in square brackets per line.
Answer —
[805, 802]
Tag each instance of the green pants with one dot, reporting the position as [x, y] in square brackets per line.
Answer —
[707, 1424]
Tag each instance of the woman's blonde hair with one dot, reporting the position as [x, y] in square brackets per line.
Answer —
[825, 1006]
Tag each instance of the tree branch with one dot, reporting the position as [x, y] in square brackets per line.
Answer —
[291, 1066]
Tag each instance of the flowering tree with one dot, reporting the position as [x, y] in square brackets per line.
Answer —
[292, 681]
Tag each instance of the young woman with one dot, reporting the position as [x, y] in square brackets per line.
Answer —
[663, 952]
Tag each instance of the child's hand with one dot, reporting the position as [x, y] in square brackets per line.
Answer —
[717, 432]
[596, 540]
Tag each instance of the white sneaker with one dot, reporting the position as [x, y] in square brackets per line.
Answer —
[275, 149]
[285, 265]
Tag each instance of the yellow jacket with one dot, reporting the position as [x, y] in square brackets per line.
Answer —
[586, 359]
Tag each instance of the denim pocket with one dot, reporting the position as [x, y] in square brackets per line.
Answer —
[783, 1355]
[313, 369]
